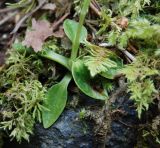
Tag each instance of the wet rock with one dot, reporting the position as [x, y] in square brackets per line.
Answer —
[70, 132]
[124, 131]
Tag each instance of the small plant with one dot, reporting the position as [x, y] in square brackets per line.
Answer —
[124, 26]
[57, 95]
[22, 106]
[21, 95]
[140, 81]
[25, 5]
[83, 70]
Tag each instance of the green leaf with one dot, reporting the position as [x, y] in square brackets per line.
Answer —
[55, 102]
[83, 80]
[113, 71]
[50, 54]
[47, 53]
[70, 29]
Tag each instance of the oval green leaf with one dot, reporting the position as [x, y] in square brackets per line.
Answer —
[83, 80]
[70, 29]
[55, 102]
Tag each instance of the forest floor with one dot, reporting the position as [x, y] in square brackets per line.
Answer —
[104, 51]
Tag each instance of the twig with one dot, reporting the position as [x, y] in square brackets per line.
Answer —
[132, 48]
[95, 9]
[129, 55]
[126, 124]
[91, 27]
[27, 15]
[93, 22]
[96, 4]
[56, 24]
[8, 17]
[6, 10]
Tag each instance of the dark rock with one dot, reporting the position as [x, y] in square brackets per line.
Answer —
[70, 132]
[124, 133]
[2, 57]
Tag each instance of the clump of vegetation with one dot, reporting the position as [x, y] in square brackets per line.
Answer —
[140, 75]
[25, 5]
[21, 95]
[129, 30]
[22, 106]
[153, 130]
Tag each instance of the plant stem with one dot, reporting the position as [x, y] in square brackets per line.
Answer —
[76, 42]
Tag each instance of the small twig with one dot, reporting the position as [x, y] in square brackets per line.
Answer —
[56, 23]
[96, 4]
[12, 40]
[129, 55]
[27, 15]
[91, 27]
[118, 111]
[126, 124]
[95, 9]
[8, 18]
[92, 22]
[132, 48]
[6, 10]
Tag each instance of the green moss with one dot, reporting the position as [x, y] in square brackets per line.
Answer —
[140, 76]
[22, 94]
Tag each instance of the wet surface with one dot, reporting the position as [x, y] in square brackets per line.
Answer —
[70, 132]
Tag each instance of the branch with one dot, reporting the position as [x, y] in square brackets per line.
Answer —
[27, 15]
[56, 23]
[95, 9]
[129, 55]
[8, 17]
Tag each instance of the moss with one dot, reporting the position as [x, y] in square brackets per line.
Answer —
[140, 76]
[22, 94]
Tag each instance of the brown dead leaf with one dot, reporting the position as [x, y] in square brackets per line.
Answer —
[39, 32]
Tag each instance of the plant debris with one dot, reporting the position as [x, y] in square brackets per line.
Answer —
[107, 40]
[36, 36]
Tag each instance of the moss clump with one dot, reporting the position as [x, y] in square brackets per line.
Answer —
[141, 76]
[21, 94]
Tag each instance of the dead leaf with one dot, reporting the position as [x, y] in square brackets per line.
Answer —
[39, 32]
